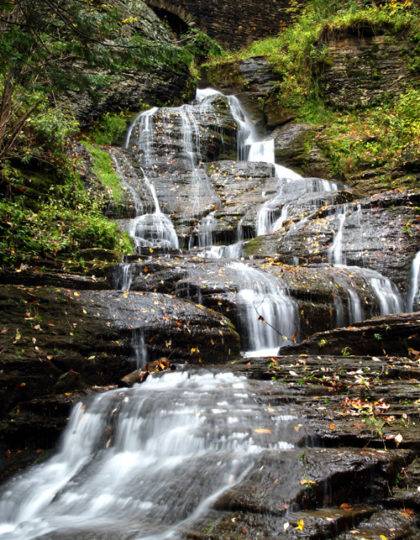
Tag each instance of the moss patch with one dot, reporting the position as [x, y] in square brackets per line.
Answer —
[102, 168]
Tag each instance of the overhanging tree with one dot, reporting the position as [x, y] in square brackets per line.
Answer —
[46, 48]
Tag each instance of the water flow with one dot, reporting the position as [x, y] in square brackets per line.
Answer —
[123, 276]
[252, 147]
[335, 252]
[141, 462]
[139, 348]
[143, 125]
[154, 229]
[384, 290]
[270, 316]
[414, 283]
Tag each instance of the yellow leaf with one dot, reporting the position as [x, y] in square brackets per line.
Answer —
[300, 525]
[383, 537]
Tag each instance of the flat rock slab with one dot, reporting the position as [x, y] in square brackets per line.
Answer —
[392, 334]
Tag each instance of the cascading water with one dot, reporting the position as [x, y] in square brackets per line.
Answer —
[270, 316]
[141, 463]
[154, 229]
[335, 253]
[413, 294]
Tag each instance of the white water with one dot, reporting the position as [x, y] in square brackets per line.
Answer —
[139, 348]
[414, 283]
[335, 253]
[270, 316]
[387, 296]
[153, 229]
[139, 463]
[144, 141]
[123, 277]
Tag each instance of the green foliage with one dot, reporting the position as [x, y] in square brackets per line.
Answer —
[68, 221]
[102, 167]
[110, 129]
[48, 49]
[201, 46]
[378, 136]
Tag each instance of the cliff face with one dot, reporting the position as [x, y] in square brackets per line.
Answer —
[351, 105]
[363, 66]
[161, 76]
[232, 24]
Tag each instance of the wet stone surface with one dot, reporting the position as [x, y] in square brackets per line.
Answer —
[380, 232]
[353, 474]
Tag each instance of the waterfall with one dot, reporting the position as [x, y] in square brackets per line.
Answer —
[206, 227]
[139, 348]
[145, 461]
[123, 276]
[414, 283]
[144, 129]
[383, 290]
[270, 316]
[335, 252]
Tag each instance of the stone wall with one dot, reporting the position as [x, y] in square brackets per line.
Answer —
[232, 24]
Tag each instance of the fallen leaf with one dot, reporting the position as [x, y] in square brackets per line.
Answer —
[398, 439]
[300, 525]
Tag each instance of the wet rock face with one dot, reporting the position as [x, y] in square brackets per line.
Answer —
[296, 147]
[379, 232]
[175, 129]
[362, 67]
[325, 296]
[241, 188]
[57, 341]
[251, 80]
[134, 88]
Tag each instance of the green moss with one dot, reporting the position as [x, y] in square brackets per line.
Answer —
[383, 135]
[102, 168]
[252, 246]
[67, 220]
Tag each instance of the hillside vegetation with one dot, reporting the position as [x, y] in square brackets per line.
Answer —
[375, 123]
[63, 77]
